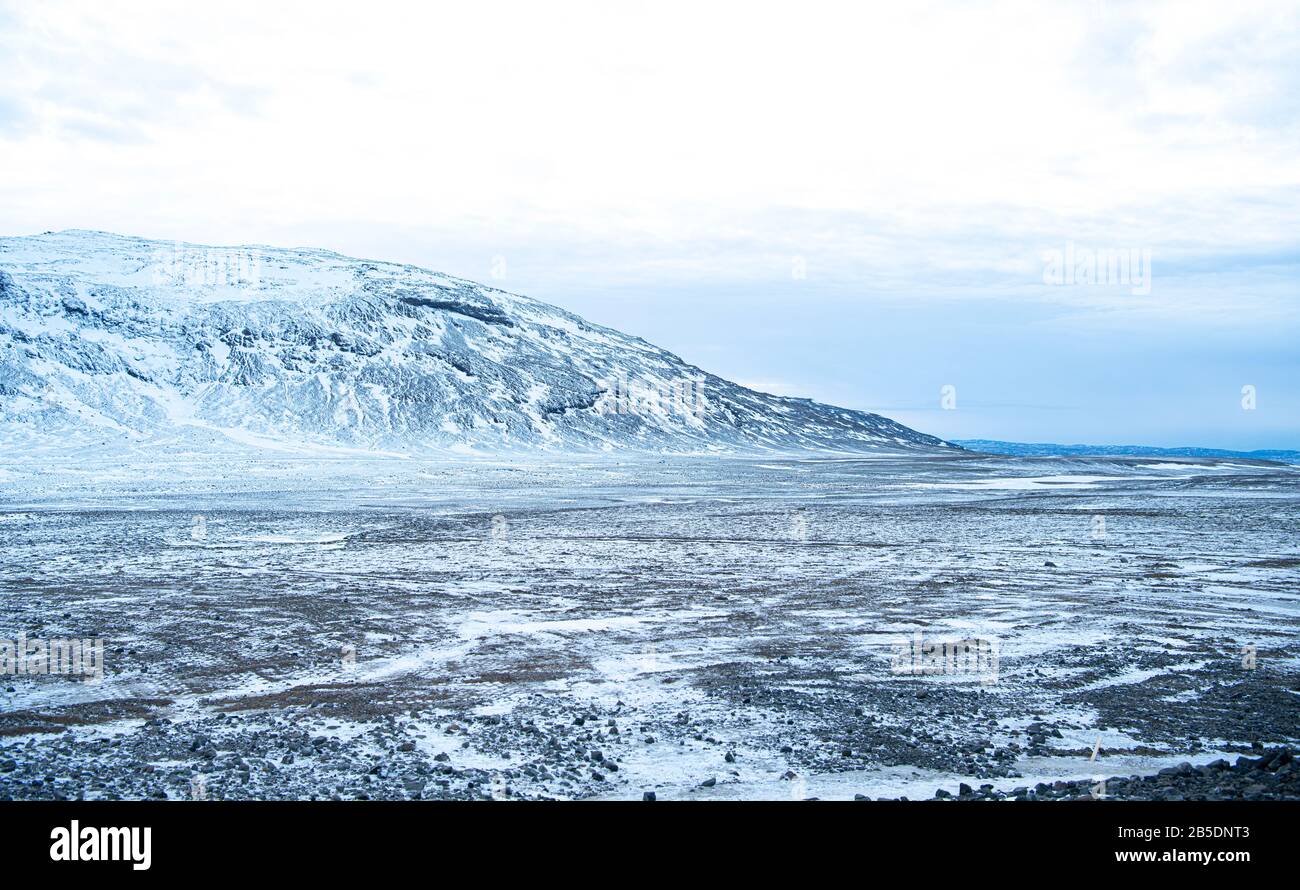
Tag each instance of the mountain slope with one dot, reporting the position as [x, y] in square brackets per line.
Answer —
[104, 337]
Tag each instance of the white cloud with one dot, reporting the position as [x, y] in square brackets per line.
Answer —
[642, 122]
[661, 168]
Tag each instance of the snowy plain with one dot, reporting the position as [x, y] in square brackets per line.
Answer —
[700, 627]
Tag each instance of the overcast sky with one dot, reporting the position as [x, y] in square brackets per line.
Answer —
[823, 200]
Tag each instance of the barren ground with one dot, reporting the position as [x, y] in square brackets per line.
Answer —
[388, 628]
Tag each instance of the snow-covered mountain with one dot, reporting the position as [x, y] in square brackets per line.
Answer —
[105, 338]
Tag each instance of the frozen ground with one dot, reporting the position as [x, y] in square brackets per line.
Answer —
[281, 628]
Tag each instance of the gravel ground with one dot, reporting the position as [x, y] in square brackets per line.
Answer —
[1274, 775]
[710, 629]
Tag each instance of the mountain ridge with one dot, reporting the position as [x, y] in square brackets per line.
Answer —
[118, 337]
[1048, 449]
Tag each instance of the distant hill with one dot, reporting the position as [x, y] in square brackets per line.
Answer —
[1046, 449]
[108, 339]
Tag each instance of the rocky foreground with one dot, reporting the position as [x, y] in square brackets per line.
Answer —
[231, 757]
[1274, 775]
